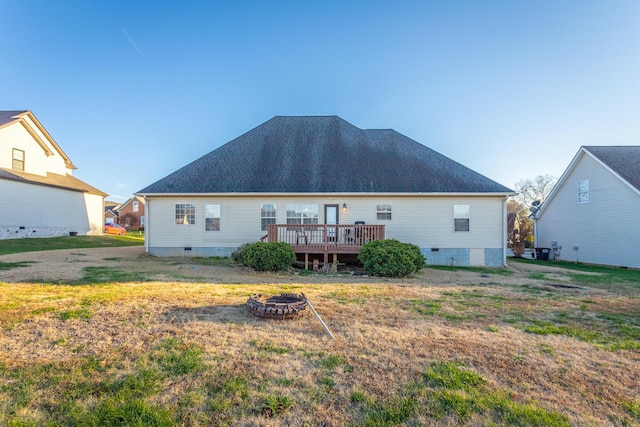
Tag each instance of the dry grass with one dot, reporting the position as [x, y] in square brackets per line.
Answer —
[177, 352]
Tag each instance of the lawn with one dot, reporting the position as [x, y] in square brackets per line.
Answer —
[529, 345]
[11, 246]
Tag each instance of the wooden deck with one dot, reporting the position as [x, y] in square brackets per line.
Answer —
[325, 239]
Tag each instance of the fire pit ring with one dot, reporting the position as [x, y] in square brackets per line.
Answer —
[283, 306]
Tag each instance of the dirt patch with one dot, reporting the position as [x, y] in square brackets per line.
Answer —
[69, 265]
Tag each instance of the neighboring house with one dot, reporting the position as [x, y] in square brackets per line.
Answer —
[591, 214]
[131, 214]
[111, 212]
[326, 187]
[40, 196]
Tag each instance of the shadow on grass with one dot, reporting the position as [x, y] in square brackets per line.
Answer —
[237, 313]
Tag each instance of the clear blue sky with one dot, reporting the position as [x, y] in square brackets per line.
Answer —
[134, 90]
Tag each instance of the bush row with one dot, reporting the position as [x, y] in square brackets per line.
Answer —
[388, 258]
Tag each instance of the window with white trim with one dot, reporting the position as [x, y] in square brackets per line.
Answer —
[383, 211]
[302, 214]
[267, 216]
[212, 217]
[134, 206]
[18, 160]
[583, 191]
[185, 213]
[461, 215]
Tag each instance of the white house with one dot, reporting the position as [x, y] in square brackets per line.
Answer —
[591, 214]
[326, 187]
[40, 196]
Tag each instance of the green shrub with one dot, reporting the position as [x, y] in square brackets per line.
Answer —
[238, 254]
[271, 256]
[391, 258]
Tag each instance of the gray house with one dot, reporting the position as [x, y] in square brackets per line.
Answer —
[326, 187]
[591, 214]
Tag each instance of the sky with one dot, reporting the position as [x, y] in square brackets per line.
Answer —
[134, 90]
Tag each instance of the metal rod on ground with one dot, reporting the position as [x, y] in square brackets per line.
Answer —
[317, 316]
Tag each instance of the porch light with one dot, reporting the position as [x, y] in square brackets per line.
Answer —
[344, 206]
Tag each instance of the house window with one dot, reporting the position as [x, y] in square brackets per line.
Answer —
[461, 217]
[267, 216]
[302, 214]
[583, 191]
[185, 213]
[18, 160]
[212, 217]
[135, 206]
[384, 211]
[142, 221]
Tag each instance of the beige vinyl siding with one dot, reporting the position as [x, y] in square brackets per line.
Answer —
[605, 230]
[54, 163]
[49, 211]
[16, 136]
[426, 221]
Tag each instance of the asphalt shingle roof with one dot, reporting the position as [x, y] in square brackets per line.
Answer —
[323, 154]
[7, 116]
[68, 182]
[623, 160]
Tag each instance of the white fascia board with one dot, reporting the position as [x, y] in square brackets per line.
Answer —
[560, 182]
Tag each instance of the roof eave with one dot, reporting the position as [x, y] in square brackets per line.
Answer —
[343, 194]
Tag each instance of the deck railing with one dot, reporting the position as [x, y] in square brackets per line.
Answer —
[325, 238]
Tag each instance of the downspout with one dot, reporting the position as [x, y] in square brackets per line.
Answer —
[504, 231]
[146, 224]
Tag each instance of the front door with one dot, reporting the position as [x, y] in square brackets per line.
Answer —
[331, 217]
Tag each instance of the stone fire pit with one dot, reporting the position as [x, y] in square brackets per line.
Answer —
[283, 306]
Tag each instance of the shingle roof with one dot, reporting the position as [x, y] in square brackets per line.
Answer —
[623, 160]
[323, 154]
[8, 116]
[68, 182]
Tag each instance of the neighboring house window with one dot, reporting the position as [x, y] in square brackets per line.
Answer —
[142, 221]
[384, 211]
[135, 206]
[267, 216]
[302, 214]
[185, 213]
[18, 160]
[212, 217]
[461, 217]
[127, 221]
[583, 191]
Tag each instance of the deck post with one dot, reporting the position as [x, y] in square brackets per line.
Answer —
[306, 261]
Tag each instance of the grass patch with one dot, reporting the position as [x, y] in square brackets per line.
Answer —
[590, 274]
[453, 394]
[270, 347]
[12, 246]
[424, 308]
[177, 358]
[12, 265]
[82, 313]
[275, 404]
[111, 275]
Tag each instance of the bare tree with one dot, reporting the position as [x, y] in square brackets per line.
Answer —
[537, 189]
[531, 193]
